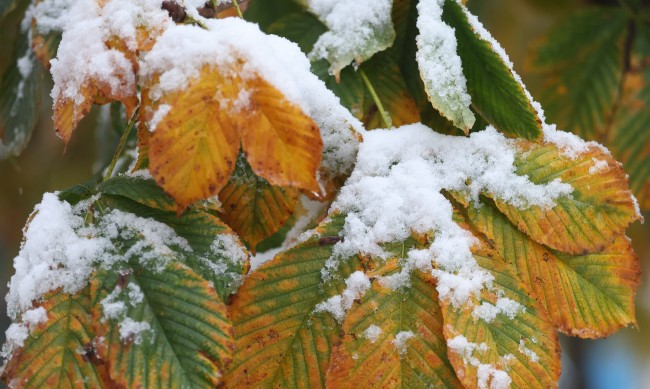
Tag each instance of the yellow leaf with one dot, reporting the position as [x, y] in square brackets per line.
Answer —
[282, 144]
[193, 150]
[254, 208]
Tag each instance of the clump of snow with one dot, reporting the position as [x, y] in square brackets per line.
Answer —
[111, 307]
[569, 144]
[504, 305]
[532, 356]
[34, 317]
[357, 29]
[357, 284]
[486, 373]
[15, 336]
[400, 341]
[396, 188]
[440, 66]
[131, 330]
[226, 252]
[159, 115]
[598, 166]
[238, 48]
[372, 333]
[83, 54]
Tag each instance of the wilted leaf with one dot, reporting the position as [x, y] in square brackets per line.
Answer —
[393, 338]
[254, 208]
[589, 296]
[591, 217]
[274, 319]
[496, 94]
[60, 353]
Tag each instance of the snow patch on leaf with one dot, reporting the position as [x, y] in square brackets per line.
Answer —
[357, 284]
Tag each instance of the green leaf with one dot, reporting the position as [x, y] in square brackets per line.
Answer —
[141, 190]
[583, 62]
[20, 96]
[590, 296]
[302, 28]
[59, 353]
[368, 352]
[174, 331]
[274, 319]
[496, 93]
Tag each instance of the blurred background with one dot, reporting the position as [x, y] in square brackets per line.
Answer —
[619, 362]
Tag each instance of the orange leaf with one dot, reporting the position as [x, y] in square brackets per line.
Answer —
[193, 150]
[282, 144]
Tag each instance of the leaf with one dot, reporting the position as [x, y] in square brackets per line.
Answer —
[143, 191]
[194, 146]
[589, 296]
[302, 28]
[631, 139]
[591, 217]
[523, 347]
[352, 41]
[377, 361]
[59, 352]
[274, 319]
[582, 60]
[281, 143]
[193, 150]
[440, 67]
[496, 92]
[254, 208]
[20, 97]
[187, 338]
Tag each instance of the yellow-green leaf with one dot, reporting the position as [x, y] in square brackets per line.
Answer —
[589, 296]
[393, 338]
[274, 319]
[520, 348]
[254, 208]
[591, 217]
[60, 353]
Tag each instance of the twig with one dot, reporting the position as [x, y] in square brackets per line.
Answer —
[120, 146]
[384, 115]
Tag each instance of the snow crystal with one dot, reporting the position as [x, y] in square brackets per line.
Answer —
[132, 330]
[235, 46]
[400, 341]
[15, 338]
[497, 378]
[135, 294]
[357, 284]
[372, 333]
[532, 356]
[440, 66]
[112, 309]
[352, 26]
[34, 317]
[395, 190]
[504, 305]
[226, 252]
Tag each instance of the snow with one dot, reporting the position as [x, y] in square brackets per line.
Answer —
[83, 54]
[400, 341]
[372, 333]
[532, 356]
[111, 308]
[506, 306]
[440, 66]
[34, 317]
[598, 166]
[239, 48]
[357, 284]
[396, 188]
[131, 330]
[497, 378]
[353, 27]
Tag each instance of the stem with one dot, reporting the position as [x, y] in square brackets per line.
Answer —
[384, 115]
[120, 145]
[236, 4]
